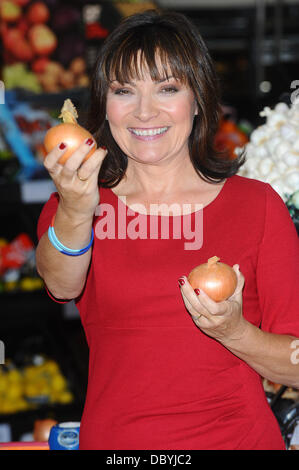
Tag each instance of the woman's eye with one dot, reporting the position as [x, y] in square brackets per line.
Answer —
[169, 89]
[121, 91]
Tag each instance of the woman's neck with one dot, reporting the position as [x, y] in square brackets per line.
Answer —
[150, 180]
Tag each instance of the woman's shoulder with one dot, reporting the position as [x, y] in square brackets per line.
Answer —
[244, 182]
[253, 190]
[259, 199]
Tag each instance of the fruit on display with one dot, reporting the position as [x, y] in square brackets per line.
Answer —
[43, 41]
[16, 253]
[38, 12]
[26, 35]
[38, 54]
[10, 11]
[272, 153]
[18, 73]
[229, 137]
[69, 132]
[17, 44]
[217, 280]
[39, 383]
[17, 265]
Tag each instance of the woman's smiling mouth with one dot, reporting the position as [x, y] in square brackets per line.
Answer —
[148, 134]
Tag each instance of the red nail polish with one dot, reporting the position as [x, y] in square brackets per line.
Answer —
[103, 147]
[197, 291]
[89, 142]
[181, 281]
[62, 146]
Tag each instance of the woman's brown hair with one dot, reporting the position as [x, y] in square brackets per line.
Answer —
[137, 42]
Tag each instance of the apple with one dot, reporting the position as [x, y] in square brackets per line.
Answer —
[16, 44]
[9, 11]
[38, 12]
[11, 36]
[42, 39]
[23, 51]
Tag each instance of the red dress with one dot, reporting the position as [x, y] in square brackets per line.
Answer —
[155, 380]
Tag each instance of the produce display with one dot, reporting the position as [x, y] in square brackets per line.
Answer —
[33, 124]
[69, 132]
[37, 383]
[216, 279]
[229, 137]
[273, 150]
[17, 265]
[43, 47]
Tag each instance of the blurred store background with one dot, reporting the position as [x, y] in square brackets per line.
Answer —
[48, 49]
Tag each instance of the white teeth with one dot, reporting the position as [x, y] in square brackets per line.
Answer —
[160, 130]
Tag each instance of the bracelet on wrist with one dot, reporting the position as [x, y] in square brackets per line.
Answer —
[64, 249]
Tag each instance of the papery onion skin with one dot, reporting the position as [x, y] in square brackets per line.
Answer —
[72, 135]
[217, 280]
[69, 132]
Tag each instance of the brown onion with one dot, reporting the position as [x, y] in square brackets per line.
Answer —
[69, 132]
[217, 280]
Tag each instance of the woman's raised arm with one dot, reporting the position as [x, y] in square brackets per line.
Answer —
[77, 186]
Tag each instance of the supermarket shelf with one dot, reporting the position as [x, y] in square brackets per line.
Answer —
[27, 192]
[36, 192]
[47, 100]
[23, 421]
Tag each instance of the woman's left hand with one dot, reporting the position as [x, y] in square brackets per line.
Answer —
[222, 321]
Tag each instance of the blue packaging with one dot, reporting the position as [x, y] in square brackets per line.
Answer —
[64, 436]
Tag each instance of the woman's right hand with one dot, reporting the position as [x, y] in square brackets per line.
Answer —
[76, 181]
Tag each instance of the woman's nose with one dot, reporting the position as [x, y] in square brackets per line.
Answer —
[145, 108]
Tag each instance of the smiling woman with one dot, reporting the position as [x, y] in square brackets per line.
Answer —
[151, 120]
[170, 368]
[167, 54]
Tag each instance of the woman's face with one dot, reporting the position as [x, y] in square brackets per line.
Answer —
[151, 121]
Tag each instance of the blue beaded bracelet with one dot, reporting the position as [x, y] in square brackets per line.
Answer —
[63, 249]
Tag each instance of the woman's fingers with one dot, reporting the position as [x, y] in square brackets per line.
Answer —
[237, 295]
[219, 320]
[69, 168]
[74, 162]
[51, 161]
[200, 303]
[92, 165]
[191, 299]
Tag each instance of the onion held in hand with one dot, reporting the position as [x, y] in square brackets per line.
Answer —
[69, 132]
[217, 280]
